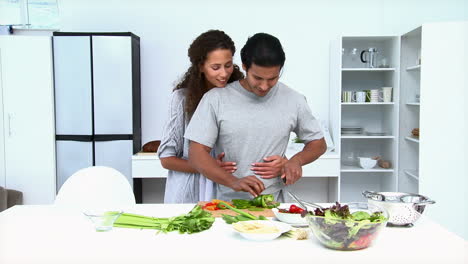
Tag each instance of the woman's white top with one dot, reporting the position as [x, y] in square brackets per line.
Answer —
[181, 187]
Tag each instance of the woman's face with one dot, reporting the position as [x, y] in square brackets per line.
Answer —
[217, 68]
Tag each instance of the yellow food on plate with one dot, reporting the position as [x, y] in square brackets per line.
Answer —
[256, 228]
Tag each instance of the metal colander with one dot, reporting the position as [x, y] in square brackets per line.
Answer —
[404, 208]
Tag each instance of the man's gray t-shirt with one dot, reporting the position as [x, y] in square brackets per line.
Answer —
[249, 128]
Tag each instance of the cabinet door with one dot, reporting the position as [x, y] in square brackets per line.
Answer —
[73, 92]
[442, 160]
[116, 154]
[72, 156]
[2, 137]
[29, 113]
[112, 68]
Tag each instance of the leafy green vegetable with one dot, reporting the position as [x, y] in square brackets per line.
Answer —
[242, 204]
[360, 215]
[265, 201]
[377, 217]
[243, 216]
[255, 209]
[297, 140]
[195, 221]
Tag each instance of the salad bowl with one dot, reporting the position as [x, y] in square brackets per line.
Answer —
[347, 227]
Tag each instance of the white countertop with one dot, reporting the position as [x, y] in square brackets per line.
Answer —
[47, 234]
[147, 165]
[289, 153]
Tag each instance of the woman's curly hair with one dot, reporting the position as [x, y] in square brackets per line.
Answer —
[194, 80]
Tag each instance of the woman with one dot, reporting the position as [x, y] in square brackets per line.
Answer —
[211, 66]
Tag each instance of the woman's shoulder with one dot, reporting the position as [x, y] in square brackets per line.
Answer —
[178, 95]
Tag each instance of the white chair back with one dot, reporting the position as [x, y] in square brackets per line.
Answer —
[96, 187]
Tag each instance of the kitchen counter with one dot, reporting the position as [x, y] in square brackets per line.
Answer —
[49, 234]
[147, 165]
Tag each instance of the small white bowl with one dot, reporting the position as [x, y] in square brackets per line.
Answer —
[292, 219]
[367, 163]
[282, 227]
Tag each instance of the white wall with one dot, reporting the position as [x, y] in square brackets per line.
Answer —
[305, 28]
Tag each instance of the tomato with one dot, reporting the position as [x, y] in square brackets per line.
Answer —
[362, 242]
[294, 209]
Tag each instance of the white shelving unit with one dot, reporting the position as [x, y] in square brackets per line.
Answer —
[413, 174]
[347, 168]
[413, 68]
[367, 103]
[412, 139]
[348, 73]
[409, 111]
[429, 93]
[367, 69]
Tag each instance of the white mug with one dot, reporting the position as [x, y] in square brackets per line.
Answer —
[346, 96]
[360, 97]
[374, 96]
[387, 94]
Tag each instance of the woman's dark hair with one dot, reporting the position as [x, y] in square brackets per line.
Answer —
[264, 50]
[194, 80]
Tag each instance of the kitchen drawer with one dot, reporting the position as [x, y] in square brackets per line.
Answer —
[322, 167]
[147, 166]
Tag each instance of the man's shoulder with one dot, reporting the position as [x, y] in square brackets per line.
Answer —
[285, 90]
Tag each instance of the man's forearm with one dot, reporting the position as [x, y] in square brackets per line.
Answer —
[177, 164]
[203, 162]
[312, 151]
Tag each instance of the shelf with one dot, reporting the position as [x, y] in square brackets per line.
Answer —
[346, 168]
[368, 103]
[413, 103]
[367, 69]
[412, 139]
[366, 137]
[414, 68]
[413, 174]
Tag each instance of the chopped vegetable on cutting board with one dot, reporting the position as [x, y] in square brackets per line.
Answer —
[219, 213]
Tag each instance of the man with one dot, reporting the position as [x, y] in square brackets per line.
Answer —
[252, 119]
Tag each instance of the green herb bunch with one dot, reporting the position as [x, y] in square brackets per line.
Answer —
[195, 221]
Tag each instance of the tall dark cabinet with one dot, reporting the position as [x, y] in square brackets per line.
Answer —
[97, 101]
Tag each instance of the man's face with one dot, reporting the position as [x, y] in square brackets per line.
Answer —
[260, 79]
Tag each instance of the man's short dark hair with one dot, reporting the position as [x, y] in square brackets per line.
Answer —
[264, 50]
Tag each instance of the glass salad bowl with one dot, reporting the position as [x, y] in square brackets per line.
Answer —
[352, 230]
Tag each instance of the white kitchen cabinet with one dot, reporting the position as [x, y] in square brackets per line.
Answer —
[97, 93]
[435, 164]
[27, 117]
[350, 74]
[320, 181]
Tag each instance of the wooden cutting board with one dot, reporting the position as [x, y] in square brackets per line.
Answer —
[219, 213]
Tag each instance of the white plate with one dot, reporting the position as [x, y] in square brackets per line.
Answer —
[282, 227]
[292, 219]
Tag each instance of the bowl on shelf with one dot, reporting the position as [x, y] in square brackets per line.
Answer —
[367, 163]
[348, 234]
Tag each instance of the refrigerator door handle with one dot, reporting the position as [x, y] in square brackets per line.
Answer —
[10, 130]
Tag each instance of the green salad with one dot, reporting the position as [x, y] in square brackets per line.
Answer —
[338, 228]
